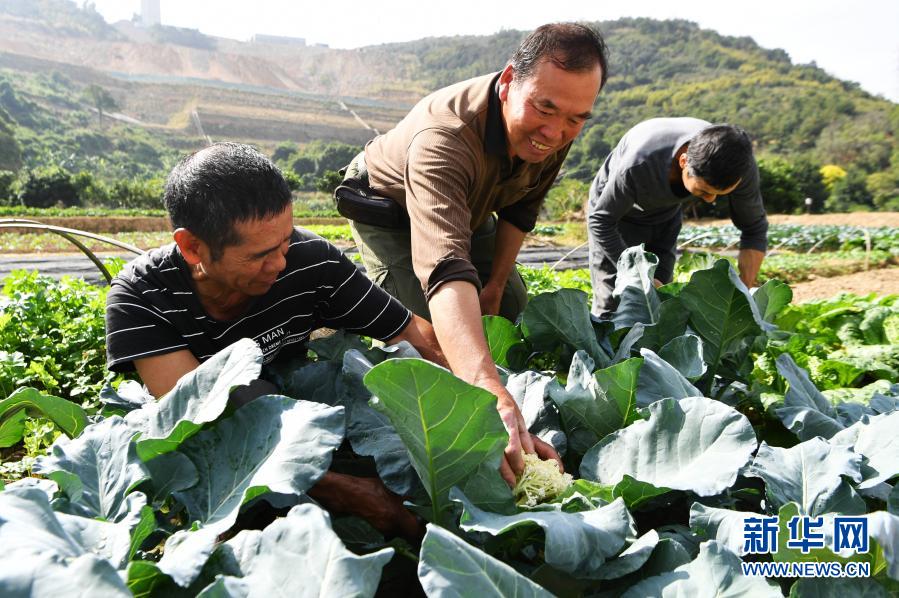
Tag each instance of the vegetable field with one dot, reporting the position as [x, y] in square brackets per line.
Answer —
[698, 411]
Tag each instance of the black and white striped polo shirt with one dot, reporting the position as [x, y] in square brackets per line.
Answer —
[152, 309]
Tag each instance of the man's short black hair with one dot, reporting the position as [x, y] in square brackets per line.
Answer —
[720, 155]
[571, 46]
[211, 190]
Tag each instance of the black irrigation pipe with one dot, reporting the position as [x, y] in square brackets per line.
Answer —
[70, 235]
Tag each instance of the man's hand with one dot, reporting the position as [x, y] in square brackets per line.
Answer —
[519, 440]
[370, 499]
[490, 298]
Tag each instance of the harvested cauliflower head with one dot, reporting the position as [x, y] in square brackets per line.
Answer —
[541, 481]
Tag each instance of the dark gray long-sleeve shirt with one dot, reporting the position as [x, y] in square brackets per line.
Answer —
[633, 185]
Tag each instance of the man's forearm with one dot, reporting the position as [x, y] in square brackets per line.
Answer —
[456, 314]
[750, 262]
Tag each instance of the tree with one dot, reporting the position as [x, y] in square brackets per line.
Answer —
[778, 186]
[850, 193]
[811, 184]
[7, 178]
[101, 99]
[46, 187]
[830, 174]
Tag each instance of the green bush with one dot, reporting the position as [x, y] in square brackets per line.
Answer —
[779, 187]
[850, 193]
[139, 194]
[7, 178]
[47, 187]
[566, 200]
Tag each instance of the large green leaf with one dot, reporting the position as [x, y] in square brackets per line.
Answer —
[48, 574]
[562, 318]
[68, 417]
[638, 300]
[673, 318]
[588, 414]
[715, 572]
[450, 567]
[771, 298]
[370, 432]
[806, 412]
[198, 398]
[694, 444]
[659, 379]
[577, 543]
[169, 473]
[97, 470]
[632, 558]
[876, 440]
[722, 525]
[272, 444]
[619, 382]
[300, 553]
[186, 553]
[884, 528]
[685, 354]
[809, 474]
[28, 525]
[541, 415]
[448, 426]
[12, 428]
[501, 336]
[722, 313]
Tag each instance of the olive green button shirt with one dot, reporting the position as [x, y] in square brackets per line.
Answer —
[448, 163]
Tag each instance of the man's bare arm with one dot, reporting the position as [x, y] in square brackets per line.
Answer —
[750, 262]
[508, 243]
[160, 372]
[457, 322]
[420, 334]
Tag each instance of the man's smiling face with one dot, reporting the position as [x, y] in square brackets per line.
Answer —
[545, 111]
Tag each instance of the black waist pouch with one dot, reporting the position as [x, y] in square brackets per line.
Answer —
[359, 204]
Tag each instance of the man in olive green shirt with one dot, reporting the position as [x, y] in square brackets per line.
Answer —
[493, 144]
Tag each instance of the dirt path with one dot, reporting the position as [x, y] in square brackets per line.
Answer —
[882, 282]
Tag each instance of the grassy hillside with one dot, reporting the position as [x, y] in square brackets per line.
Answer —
[183, 87]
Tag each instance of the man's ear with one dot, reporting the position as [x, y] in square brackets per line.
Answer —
[682, 160]
[505, 80]
[192, 248]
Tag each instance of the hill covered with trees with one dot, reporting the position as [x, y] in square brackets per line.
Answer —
[816, 136]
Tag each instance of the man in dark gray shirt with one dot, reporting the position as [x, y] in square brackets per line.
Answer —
[638, 194]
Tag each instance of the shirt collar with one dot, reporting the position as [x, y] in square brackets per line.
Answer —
[495, 141]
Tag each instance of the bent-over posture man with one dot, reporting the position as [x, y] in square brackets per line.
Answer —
[638, 193]
[239, 269]
[489, 145]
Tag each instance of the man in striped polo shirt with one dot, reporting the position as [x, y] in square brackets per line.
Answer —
[239, 269]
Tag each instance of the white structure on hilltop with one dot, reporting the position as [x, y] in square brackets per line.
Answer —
[149, 13]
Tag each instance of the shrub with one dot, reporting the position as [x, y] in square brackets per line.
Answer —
[47, 187]
[566, 200]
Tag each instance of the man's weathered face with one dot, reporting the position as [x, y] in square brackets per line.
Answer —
[545, 111]
[699, 187]
[254, 263]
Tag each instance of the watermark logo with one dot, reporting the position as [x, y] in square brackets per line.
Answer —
[761, 535]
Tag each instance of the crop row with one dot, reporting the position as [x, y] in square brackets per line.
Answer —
[798, 237]
[729, 382]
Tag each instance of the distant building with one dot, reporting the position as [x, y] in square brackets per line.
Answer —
[149, 13]
[281, 40]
